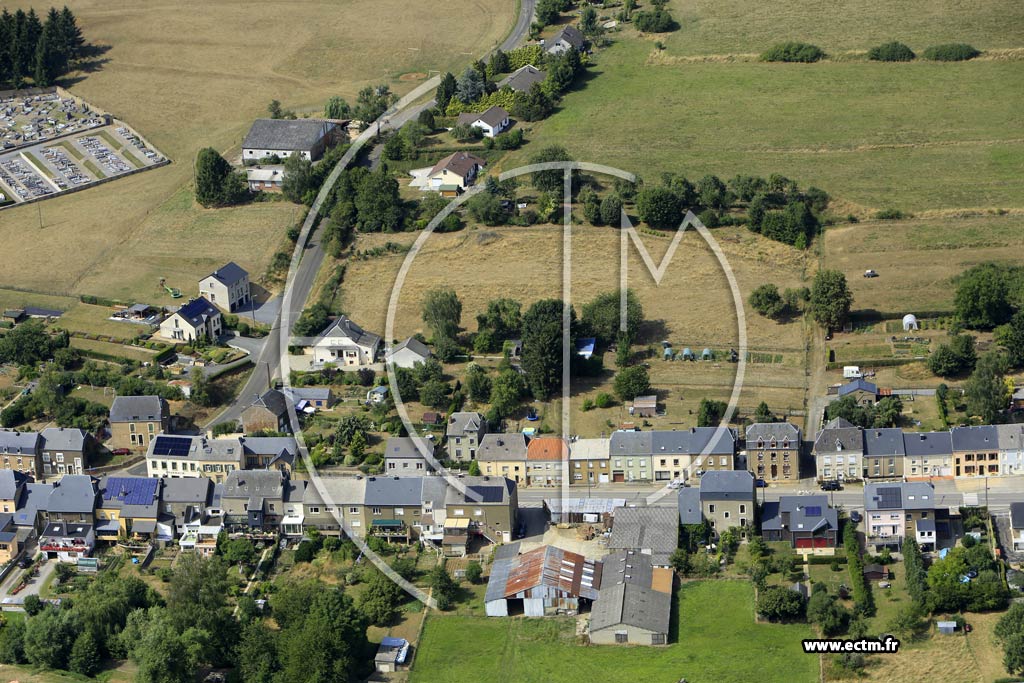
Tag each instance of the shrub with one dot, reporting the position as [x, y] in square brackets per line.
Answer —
[889, 215]
[951, 52]
[891, 52]
[658, 21]
[603, 400]
[793, 51]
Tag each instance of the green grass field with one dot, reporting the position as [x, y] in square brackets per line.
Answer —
[910, 136]
[717, 642]
[740, 26]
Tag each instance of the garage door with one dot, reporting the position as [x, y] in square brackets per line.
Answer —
[618, 476]
[812, 543]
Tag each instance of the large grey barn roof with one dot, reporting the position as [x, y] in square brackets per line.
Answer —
[654, 528]
[633, 605]
[285, 135]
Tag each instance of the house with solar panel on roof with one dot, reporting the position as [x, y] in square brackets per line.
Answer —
[479, 507]
[805, 522]
[128, 509]
[227, 287]
[198, 320]
[898, 510]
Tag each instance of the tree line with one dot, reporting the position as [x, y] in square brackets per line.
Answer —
[38, 50]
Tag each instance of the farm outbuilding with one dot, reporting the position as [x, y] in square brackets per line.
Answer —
[544, 581]
[688, 354]
[909, 322]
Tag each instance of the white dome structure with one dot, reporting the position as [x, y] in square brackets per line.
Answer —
[910, 322]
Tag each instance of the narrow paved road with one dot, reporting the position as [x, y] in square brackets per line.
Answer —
[309, 251]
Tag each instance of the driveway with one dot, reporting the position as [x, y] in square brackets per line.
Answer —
[32, 588]
[265, 313]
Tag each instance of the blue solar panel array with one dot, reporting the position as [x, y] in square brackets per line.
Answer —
[890, 497]
[813, 511]
[172, 445]
[131, 490]
[484, 494]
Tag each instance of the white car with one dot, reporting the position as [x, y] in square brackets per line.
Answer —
[676, 484]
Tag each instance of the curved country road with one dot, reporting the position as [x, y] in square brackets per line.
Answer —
[309, 255]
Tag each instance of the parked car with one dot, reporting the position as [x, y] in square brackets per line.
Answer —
[122, 451]
[676, 484]
[831, 485]
[870, 273]
[760, 483]
[855, 516]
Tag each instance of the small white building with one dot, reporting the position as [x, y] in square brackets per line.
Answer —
[345, 344]
[265, 179]
[67, 541]
[1017, 525]
[569, 38]
[227, 287]
[408, 353]
[454, 173]
[492, 122]
[196, 320]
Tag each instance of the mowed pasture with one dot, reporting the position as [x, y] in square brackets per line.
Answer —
[692, 307]
[189, 75]
[916, 136]
[916, 260]
[742, 26]
[704, 647]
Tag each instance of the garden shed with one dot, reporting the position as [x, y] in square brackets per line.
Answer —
[910, 322]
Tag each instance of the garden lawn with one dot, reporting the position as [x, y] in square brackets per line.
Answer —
[717, 642]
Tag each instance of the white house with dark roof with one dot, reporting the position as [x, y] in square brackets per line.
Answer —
[227, 287]
[928, 454]
[196, 320]
[894, 511]
[492, 122]
[408, 353]
[1011, 448]
[284, 137]
[569, 38]
[1017, 525]
[345, 344]
[64, 450]
[839, 451]
[403, 456]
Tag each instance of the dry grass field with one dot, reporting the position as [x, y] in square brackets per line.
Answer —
[189, 75]
[692, 307]
[916, 259]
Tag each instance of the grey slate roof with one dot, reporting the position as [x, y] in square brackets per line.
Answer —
[412, 344]
[254, 483]
[693, 441]
[388, 491]
[981, 438]
[858, 384]
[18, 443]
[406, 447]
[229, 274]
[34, 498]
[274, 401]
[269, 445]
[511, 446]
[131, 408]
[1011, 437]
[344, 327]
[226, 449]
[770, 430]
[887, 441]
[284, 135]
[899, 496]
[1017, 515]
[631, 443]
[73, 493]
[463, 422]
[727, 485]
[651, 528]
[523, 78]
[798, 508]
[839, 436]
[927, 444]
[338, 490]
[482, 490]
[63, 439]
[193, 490]
[689, 505]
[10, 482]
[198, 311]
[571, 35]
[633, 605]
[308, 393]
